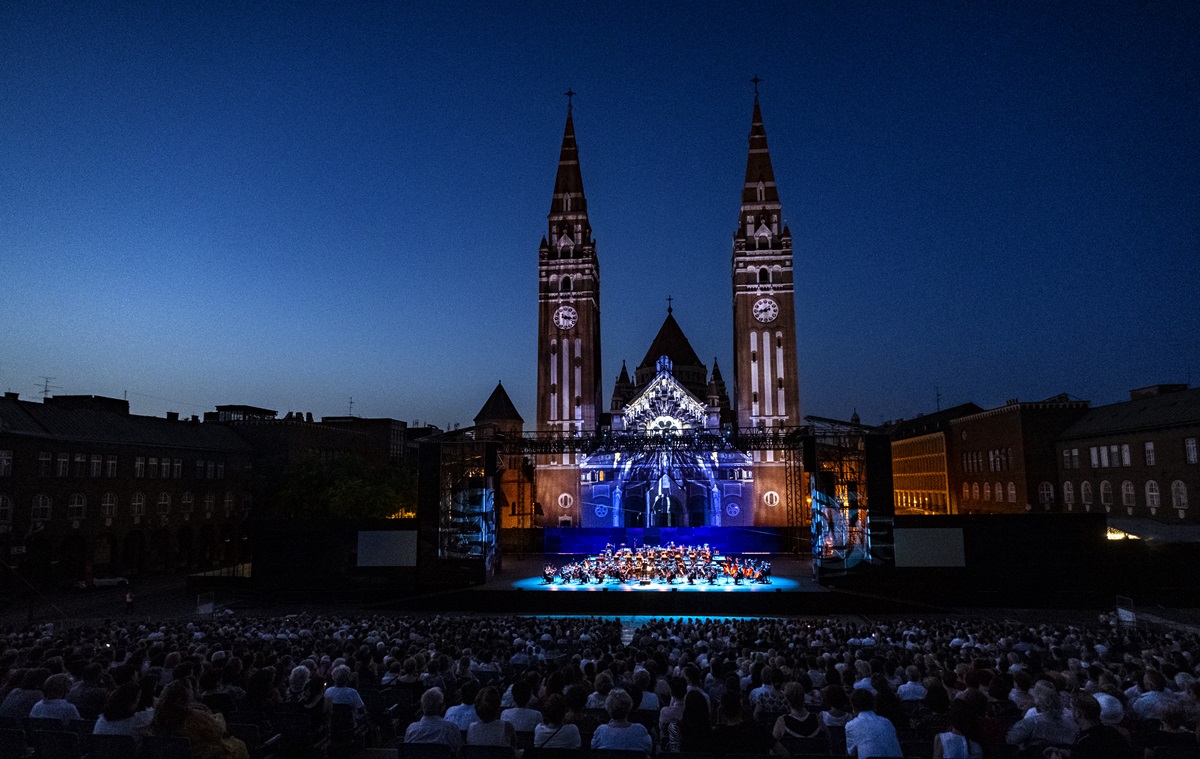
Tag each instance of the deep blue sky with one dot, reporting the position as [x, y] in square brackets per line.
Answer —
[289, 204]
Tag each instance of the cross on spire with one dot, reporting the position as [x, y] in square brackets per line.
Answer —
[570, 93]
[669, 299]
[755, 82]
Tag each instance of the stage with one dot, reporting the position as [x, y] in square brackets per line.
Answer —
[518, 588]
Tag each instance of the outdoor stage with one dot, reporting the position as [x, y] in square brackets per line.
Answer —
[519, 589]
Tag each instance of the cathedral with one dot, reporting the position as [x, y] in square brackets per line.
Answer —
[623, 481]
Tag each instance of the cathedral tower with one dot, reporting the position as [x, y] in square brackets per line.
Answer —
[764, 322]
[569, 383]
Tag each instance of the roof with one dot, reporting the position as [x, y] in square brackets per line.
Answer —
[42, 420]
[569, 180]
[499, 408]
[672, 343]
[758, 164]
[1167, 410]
[927, 423]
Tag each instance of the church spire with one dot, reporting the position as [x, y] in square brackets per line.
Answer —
[759, 188]
[568, 184]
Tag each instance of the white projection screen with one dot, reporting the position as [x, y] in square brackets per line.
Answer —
[387, 548]
[927, 547]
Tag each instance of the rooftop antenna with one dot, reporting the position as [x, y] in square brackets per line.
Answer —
[937, 393]
[46, 387]
[351, 411]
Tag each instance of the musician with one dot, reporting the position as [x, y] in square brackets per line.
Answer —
[548, 574]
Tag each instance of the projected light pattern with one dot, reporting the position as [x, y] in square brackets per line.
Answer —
[685, 482]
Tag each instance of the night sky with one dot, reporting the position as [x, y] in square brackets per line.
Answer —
[290, 204]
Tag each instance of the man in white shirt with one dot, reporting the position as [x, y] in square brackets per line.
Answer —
[432, 728]
[869, 734]
[522, 718]
[464, 714]
[912, 690]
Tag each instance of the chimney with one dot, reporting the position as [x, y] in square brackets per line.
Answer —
[11, 396]
[172, 416]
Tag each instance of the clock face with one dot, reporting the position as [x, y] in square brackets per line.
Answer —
[565, 317]
[765, 310]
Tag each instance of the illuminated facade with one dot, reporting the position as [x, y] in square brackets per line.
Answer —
[660, 462]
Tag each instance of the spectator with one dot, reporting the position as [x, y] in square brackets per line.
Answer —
[837, 707]
[673, 711]
[432, 727]
[54, 704]
[735, 733]
[619, 732]
[463, 715]
[341, 692]
[912, 689]
[1047, 725]
[869, 734]
[1096, 740]
[90, 694]
[799, 723]
[177, 714]
[693, 731]
[121, 714]
[20, 700]
[555, 731]
[522, 718]
[489, 729]
[961, 741]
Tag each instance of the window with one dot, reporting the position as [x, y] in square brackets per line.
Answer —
[152, 470]
[1012, 492]
[1150, 453]
[139, 467]
[1045, 493]
[5, 509]
[1104, 457]
[966, 491]
[177, 468]
[164, 504]
[1085, 493]
[764, 276]
[77, 506]
[975, 490]
[186, 503]
[5, 463]
[1125, 454]
[1095, 457]
[999, 491]
[987, 491]
[110, 466]
[1178, 495]
[1127, 497]
[45, 464]
[209, 469]
[1106, 498]
[1066, 454]
[64, 465]
[209, 502]
[1153, 500]
[41, 508]
[200, 467]
[97, 465]
[108, 506]
[1189, 451]
[565, 285]
[1074, 458]
[221, 464]
[80, 468]
[137, 505]
[229, 502]
[1068, 493]
[1114, 454]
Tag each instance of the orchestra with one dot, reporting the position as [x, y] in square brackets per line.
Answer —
[644, 565]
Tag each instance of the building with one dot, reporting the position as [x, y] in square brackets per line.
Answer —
[88, 489]
[629, 484]
[1137, 458]
[920, 469]
[1003, 460]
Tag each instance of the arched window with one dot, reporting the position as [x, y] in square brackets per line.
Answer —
[137, 505]
[975, 490]
[1068, 493]
[1012, 492]
[164, 504]
[1045, 493]
[108, 506]
[987, 491]
[1000, 492]
[761, 193]
[6, 509]
[966, 491]
[1178, 495]
[565, 285]
[1153, 499]
[1085, 493]
[77, 506]
[1127, 499]
[1106, 493]
[228, 503]
[41, 508]
[764, 276]
[187, 502]
[210, 502]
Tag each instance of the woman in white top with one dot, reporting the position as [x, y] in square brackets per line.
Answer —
[121, 715]
[959, 741]
[552, 733]
[490, 730]
[619, 733]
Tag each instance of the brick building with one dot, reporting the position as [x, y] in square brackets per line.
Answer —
[88, 489]
[1003, 460]
[1137, 458]
[919, 464]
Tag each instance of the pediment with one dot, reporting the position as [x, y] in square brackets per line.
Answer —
[663, 406]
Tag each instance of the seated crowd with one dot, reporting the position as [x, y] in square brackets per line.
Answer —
[916, 688]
